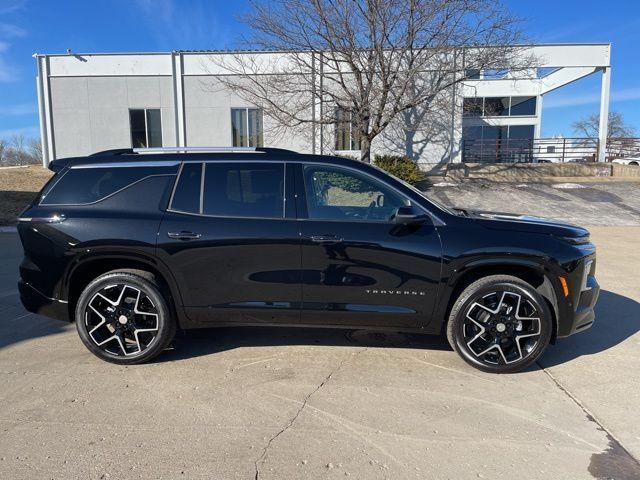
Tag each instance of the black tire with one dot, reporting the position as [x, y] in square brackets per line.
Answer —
[473, 327]
[143, 330]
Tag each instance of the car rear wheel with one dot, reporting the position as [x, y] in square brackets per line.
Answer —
[500, 324]
[122, 317]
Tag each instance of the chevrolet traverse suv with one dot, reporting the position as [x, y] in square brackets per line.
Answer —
[132, 245]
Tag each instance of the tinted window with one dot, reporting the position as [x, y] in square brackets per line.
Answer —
[146, 127]
[472, 107]
[186, 197]
[522, 131]
[88, 185]
[246, 127]
[244, 190]
[496, 106]
[337, 194]
[523, 105]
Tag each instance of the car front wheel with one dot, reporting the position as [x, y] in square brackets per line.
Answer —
[122, 317]
[500, 324]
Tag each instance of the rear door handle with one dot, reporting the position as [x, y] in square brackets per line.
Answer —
[326, 239]
[184, 235]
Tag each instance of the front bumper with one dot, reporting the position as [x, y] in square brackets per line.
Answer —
[34, 301]
[582, 316]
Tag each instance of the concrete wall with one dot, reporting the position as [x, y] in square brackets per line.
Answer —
[92, 113]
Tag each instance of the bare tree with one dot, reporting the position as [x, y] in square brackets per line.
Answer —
[19, 150]
[363, 63]
[618, 128]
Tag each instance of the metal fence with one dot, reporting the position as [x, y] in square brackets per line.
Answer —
[546, 150]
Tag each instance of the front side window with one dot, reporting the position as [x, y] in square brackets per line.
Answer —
[339, 194]
[246, 127]
[253, 190]
[80, 186]
[347, 137]
[146, 127]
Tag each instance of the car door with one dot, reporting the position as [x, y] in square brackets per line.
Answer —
[231, 243]
[359, 268]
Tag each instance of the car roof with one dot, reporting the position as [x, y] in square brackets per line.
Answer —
[196, 154]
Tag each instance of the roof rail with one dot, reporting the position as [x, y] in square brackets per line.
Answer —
[192, 149]
[148, 150]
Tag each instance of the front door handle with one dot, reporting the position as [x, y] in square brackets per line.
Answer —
[326, 239]
[183, 235]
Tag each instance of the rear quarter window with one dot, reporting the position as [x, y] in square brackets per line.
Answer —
[85, 185]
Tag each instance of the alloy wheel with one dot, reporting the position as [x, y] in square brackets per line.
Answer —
[501, 328]
[122, 320]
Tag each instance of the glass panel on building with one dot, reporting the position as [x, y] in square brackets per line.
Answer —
[496, 106]
[523, 106]
[472, 107]
[154, 127]
[522, 131]
[239, 127]
[138, 128]
[255, 127]
[146, 127]
[343, 129]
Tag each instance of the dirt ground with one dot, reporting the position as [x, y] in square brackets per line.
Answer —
[18, 186]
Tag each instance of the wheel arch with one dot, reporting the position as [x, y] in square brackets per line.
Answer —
[529, 271]
[83, 271]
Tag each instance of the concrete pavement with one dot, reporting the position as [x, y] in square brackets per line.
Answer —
[297, 403]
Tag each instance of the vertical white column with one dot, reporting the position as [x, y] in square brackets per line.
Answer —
[178, 98]
[538, 127]
[603, 128]
[44, 111]
[41, 115]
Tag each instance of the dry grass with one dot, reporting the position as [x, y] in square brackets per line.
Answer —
[18, 186]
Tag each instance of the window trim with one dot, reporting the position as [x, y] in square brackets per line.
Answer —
[246, 109]
[217, 162]
[146, 126]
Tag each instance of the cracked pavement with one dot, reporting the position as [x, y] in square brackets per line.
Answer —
[273, 403]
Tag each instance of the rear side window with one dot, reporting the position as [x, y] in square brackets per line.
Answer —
[244, 190]
[186, 197]
[84, 185]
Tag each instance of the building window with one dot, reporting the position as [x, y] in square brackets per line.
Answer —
[499, 107]
[472, 74]
[472, 107]
[146, 127]
[347, 137]
[523, 106]
[496, 106]
[526, 132]
[246, 127]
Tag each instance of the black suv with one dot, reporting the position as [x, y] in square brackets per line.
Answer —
[133, 244]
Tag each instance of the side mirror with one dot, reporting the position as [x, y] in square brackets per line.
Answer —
[408, 216]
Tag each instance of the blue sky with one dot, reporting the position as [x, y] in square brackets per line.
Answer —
[29, 26]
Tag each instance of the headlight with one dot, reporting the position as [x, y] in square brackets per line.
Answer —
[577, 240]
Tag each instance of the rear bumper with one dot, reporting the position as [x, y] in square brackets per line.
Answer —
[584, 313]
[36, 302]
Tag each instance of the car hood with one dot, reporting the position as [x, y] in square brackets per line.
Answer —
[526, 223]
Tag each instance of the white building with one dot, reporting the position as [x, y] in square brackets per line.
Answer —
[94, 102]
